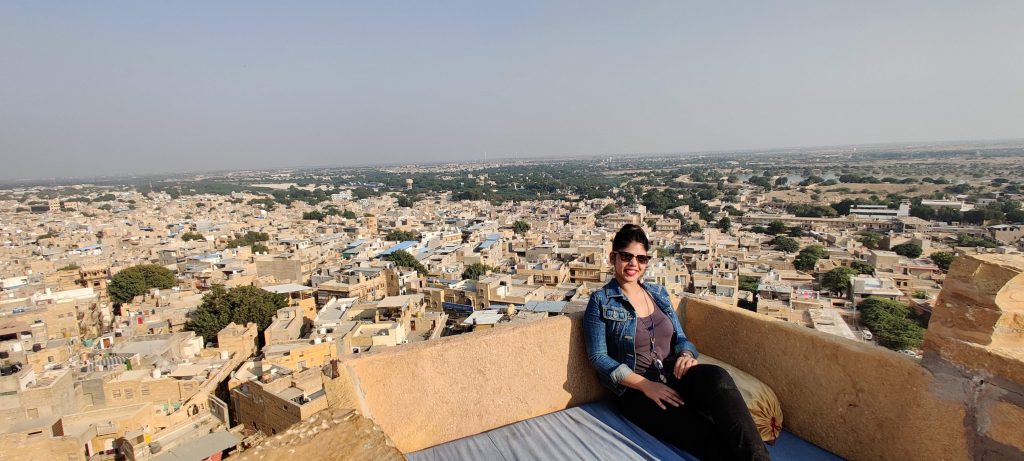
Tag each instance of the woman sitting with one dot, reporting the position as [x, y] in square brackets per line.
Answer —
[638, 347]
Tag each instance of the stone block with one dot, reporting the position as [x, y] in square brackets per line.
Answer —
[980, 301]
[984, 276]
[1006, 424]
[965, 319]
[1006, 363]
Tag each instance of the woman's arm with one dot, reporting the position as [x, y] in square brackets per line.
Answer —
[595, 334]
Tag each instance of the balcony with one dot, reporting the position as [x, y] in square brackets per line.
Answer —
[964, 400]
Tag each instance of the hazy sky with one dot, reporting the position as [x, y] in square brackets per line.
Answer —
[91, 88]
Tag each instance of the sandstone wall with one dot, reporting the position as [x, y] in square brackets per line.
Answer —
[425, 394]
[857, 400]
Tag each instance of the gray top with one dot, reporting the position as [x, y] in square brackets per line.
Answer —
[660, 327]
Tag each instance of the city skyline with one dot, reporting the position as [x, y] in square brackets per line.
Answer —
[140, 89]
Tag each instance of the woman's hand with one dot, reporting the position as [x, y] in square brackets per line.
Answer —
[683, 363]
[661, 394]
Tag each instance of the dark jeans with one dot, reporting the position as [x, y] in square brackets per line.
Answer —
[714, 423]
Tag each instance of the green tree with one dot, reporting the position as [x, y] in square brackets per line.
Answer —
[405, 259]
[892, 322]
[785, 244]
[863, 268]
[805, 262]
[760, 181]
[260, 248]
[776, 227]
[964, 240]
[315, 215]
[804, 210]
[397, 235]
[817, 250]
[189, 236]
[240, 305]
[475, 271]
[404, 201]
[808, 257]
[920, 294]
[837, 280]
[725, 224]
[749, 283]
[943, 259]
[248, 239]
[136, 280]
[520, 227]
[733, 211]
[348, 214]
[910, 250]
[871, 240]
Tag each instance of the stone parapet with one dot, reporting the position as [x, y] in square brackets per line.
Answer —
[855, 399]
[975, 347]
[425, 394]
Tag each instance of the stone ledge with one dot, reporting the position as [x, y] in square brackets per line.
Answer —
[332, 434]
[1005, 363]
[425, 394]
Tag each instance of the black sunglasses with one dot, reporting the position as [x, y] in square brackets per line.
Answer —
[626, 257]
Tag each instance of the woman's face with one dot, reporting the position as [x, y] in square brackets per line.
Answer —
[632, 271]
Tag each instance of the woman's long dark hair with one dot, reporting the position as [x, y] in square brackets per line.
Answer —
[628, 234]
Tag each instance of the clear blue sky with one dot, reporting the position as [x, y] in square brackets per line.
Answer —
[92, 88]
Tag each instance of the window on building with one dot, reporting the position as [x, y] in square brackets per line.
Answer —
[116, 393]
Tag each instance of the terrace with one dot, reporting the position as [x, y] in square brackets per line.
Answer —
[964, 400]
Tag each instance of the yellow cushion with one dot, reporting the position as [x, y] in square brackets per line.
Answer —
[764, 406]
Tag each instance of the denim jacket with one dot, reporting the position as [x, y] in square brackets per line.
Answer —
[609, 327]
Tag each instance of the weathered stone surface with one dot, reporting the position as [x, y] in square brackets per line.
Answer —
[857, 400]
[332, 434]
[983, 276]
[960, 317]
[1007, 363]
[981, 301]
[1006, 424]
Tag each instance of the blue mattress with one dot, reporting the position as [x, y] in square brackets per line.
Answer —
[592, 431]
